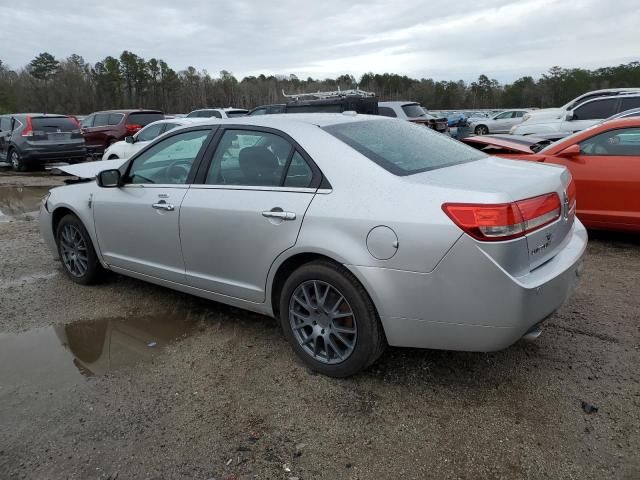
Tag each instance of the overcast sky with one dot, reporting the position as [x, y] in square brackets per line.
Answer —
[441, 39]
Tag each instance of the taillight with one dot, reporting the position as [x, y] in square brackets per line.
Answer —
[28, 129]
[571, 193]
[504, 221]
[133, 128]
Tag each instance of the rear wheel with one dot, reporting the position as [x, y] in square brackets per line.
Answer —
[76, 251]
[329, 319]
[17, 163]
[481, 130]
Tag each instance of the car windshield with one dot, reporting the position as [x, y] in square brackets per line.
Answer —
[403, 148]
[236, 113]
[413, 110]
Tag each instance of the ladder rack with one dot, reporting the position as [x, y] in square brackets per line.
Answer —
[356, 92]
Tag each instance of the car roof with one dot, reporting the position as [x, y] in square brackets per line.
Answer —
[616, 97]
[398, 103]
[293, 119]
[132, 110]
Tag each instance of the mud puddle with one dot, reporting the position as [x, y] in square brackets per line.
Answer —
[65, 354]
[16, 202]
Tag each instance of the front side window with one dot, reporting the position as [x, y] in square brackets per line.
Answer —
[595, 110]
[144, 118]
[88, 122]
[249, 158]
[403, 148]
[622, 142]
[259, 111]
[149, 132]
[169, 161]
[504, 116]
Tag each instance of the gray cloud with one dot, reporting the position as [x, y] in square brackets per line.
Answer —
[443, 40]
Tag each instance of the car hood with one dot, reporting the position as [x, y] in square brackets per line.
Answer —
[91, 169]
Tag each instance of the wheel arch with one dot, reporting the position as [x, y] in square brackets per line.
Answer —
[59, 213]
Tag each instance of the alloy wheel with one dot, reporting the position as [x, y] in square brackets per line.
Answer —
[73, 248]
[323, 322]
[15, 160]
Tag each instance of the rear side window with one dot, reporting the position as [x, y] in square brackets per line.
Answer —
[5, 124]
[101, 120]
[53, 124]
[595, 110]
[115, 118]
[623, 142]
[144, 119]
[299, 173]
[403, 148]
[629, 103]
[387, 112]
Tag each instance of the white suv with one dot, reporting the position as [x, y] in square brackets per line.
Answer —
[583, 116]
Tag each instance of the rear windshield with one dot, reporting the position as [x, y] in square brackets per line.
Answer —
[403, 148]
[413, 110]
[236, 113]
[53, 124]
[144, 119]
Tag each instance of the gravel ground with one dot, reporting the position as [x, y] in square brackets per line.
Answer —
[131, 380]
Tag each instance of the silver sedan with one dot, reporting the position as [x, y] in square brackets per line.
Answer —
[356, 232]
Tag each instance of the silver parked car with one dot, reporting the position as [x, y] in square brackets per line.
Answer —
[354, 231]
[499, 123]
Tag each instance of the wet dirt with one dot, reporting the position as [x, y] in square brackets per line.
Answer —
[54, 357]
[20, 201]
[228, 398]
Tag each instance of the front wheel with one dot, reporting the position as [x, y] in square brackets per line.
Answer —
[329, 319]
[481, 130]
[76, 251]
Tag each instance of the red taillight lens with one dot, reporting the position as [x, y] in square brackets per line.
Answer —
[28, 129]
[133, 128]
[505, 221]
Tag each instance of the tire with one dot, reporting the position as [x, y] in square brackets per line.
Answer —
[357, 323]
[77, 254]
[481, 130]
[17, 164]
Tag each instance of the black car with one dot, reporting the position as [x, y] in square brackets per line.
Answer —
[328, 102]
[33, 139]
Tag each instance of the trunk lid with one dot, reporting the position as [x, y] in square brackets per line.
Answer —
[497, 180]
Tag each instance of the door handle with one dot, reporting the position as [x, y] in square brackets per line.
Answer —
[162, 205]
[279, 214]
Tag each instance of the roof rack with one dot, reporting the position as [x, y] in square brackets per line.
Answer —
[355, 92]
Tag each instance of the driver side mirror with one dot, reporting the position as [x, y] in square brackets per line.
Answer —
[129, 139]
[108, 178]
[572, 151]
[570, 116]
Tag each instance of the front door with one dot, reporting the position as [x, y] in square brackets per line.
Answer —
[607, 176]
[248, 211]
[137, 224]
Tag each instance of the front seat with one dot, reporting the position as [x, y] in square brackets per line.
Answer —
[259, 166]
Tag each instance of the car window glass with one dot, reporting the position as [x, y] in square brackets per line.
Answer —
[519, 114]
[101, 120]
[169, 161]
[504, 115]
[595, 110]
[259, 111]
[115, 118]
[299, 173]
[144, 118]
[249, 158]
[150, 132]
[620, 142]
[403, 148]
[88, 122]
[629, 103]
[387, 112]
[5, 124]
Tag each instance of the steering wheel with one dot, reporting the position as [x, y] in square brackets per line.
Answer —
[178, 171]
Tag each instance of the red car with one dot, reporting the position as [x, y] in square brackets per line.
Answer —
[101, 129]
[604, 161]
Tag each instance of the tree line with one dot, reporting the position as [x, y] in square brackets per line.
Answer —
[74, 86]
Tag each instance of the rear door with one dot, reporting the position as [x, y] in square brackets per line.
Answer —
[95, 130]
[137, 224]
[504, 122]
[607, 176]
[247, 211]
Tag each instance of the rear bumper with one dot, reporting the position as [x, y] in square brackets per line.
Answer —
[468, 302]
[45, 155]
